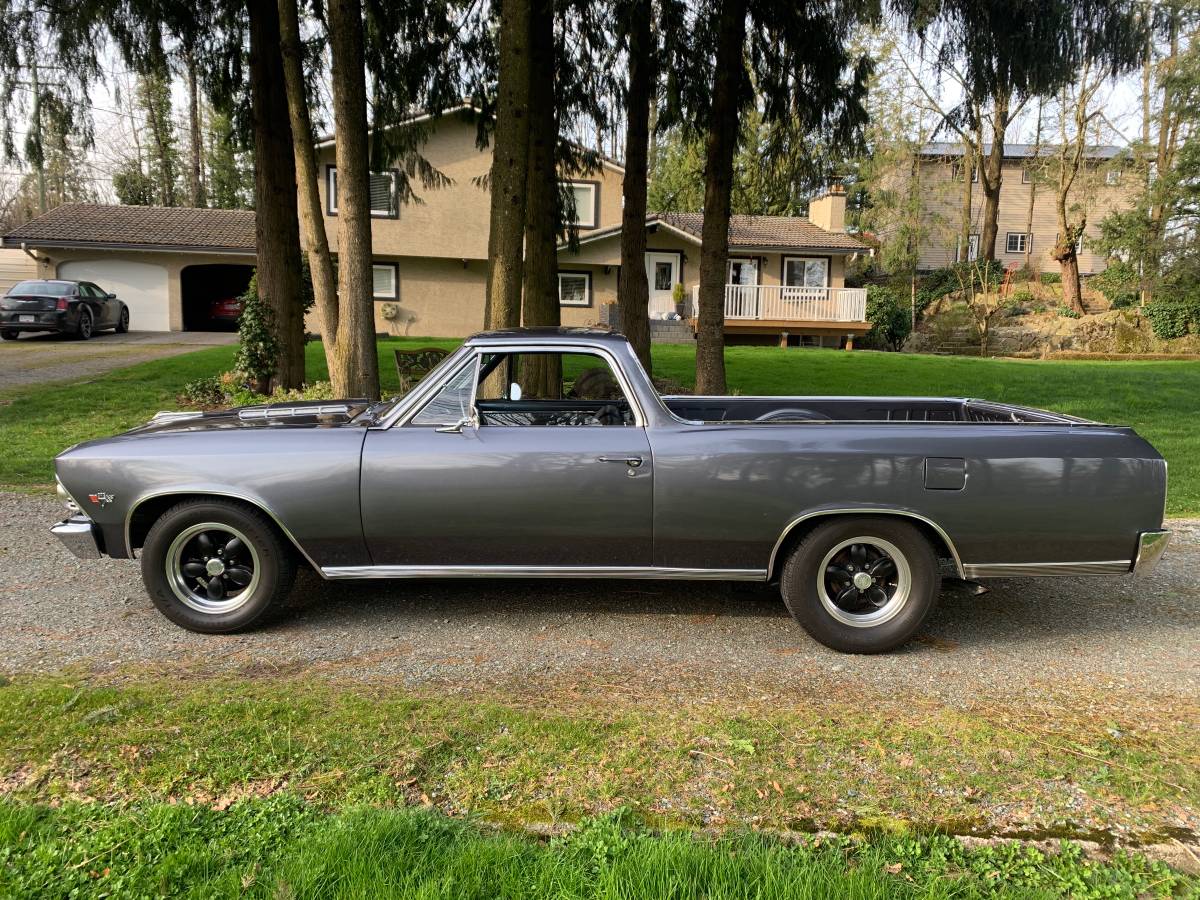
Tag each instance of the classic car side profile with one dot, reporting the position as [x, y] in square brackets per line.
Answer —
[548, 453]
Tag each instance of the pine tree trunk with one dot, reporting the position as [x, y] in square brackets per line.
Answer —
[510, 168]
[276, 229]
[992, 179]
[355, 360]
[195, 187]
[633, 290]
[543, 375]
[312, 220]
[720, 143]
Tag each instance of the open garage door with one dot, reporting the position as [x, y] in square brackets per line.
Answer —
[140, 286]
[212, 295]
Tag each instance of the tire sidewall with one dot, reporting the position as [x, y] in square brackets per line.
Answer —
[275, 567]
[85, 315]
[798, 585]
[123, 320]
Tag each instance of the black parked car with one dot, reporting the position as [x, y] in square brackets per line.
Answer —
[69, 307]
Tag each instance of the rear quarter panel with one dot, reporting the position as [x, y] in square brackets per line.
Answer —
[307, 478]
[725, 494]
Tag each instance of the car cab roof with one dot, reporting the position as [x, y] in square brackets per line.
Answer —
[547, 335]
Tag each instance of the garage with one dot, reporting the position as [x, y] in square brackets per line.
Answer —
[140, 286]
[210, 293]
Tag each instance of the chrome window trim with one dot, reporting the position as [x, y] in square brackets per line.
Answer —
[407, 405]
[478, 350]
[866, 511]
[214, 492]
[474, 363]
[633, 572]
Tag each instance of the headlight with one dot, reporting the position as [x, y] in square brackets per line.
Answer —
[67, 501]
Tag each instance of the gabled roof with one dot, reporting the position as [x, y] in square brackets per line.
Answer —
[139, 228]
[1018, 151]
[748, 233]
[330, 139]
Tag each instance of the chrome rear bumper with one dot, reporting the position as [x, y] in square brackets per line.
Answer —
[1151, 546]
[80, 535]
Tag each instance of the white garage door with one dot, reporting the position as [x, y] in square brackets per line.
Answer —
[140, 286]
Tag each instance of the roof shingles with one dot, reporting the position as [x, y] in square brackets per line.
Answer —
[770, 232]
[152, 227]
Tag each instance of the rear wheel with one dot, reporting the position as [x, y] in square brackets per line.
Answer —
[861, 585]
[84, 330]
[123, 321]
[215, 566]
[10, 334]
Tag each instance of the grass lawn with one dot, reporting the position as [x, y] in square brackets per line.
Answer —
[1160, 399]
[161, 785]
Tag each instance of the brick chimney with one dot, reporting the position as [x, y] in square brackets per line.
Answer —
[828, 210]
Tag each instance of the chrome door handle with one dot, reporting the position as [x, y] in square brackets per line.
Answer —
[632, 461]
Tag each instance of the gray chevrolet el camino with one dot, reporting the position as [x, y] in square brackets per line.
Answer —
[548, 453]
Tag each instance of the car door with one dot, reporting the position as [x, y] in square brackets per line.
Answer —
[535, 484]
[105, 307]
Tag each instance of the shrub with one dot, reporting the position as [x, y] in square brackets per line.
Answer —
[1023, 273]
[1021, 296]
[1051, 278]
[204, 392]
[1174, 317]
[1067, 313]
[258, 347]
[890, 317]
[1118, 283]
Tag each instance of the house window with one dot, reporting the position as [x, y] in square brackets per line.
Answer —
[801, 271]
[385, 281]
[972, 249]
[1025, 175]
[1016, 242]
[586, 198]
[958, 172]
[743, 271]
[383, 191]
[574, 289]
[1112, 176]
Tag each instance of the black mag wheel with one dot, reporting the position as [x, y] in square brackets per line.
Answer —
[216, 565]
[84, 329]
[861, 584]
[212, 567]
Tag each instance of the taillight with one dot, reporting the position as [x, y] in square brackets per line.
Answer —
[62, 304]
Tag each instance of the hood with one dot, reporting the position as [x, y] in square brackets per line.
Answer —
[298, 414]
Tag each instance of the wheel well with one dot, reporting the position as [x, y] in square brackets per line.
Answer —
[151, 510]
[801, 529]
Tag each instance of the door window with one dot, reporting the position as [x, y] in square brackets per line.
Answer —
[452, 403]
[550, 389]
[664, 276]
[743, 271]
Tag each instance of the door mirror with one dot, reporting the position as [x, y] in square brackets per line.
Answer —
[111, 296]
[514, 391]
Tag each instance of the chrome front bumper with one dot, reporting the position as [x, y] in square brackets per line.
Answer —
[1151, 546]
[80, 535]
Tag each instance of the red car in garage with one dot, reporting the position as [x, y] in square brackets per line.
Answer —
[225, 311]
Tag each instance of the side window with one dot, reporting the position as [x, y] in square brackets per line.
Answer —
[551, 389]
[452, 403]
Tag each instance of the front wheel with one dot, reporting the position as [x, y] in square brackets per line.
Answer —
[216, 566]
[861, 585]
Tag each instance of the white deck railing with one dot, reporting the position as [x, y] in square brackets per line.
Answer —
[778, 303]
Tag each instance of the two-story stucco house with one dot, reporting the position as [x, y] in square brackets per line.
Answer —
[786, 275]
[1028, 219]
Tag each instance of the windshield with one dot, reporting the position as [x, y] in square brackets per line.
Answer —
[43, 288]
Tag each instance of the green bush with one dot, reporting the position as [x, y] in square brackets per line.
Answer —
[1021, 296]
[204, 393]
[1174, 317]
[1067, 313]
[890, 317]
[258, 347]
[1119, 284]
[1051, 278]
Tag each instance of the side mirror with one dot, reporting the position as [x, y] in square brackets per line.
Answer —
[457, 427]
[112, 296]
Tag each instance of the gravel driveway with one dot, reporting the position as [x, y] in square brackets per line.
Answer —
[41, 358]
[1106, 633]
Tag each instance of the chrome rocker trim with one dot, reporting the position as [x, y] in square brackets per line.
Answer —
[639, 572]
[1033, 570]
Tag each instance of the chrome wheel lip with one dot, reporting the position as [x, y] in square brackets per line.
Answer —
[183, 592]
[895, 603]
